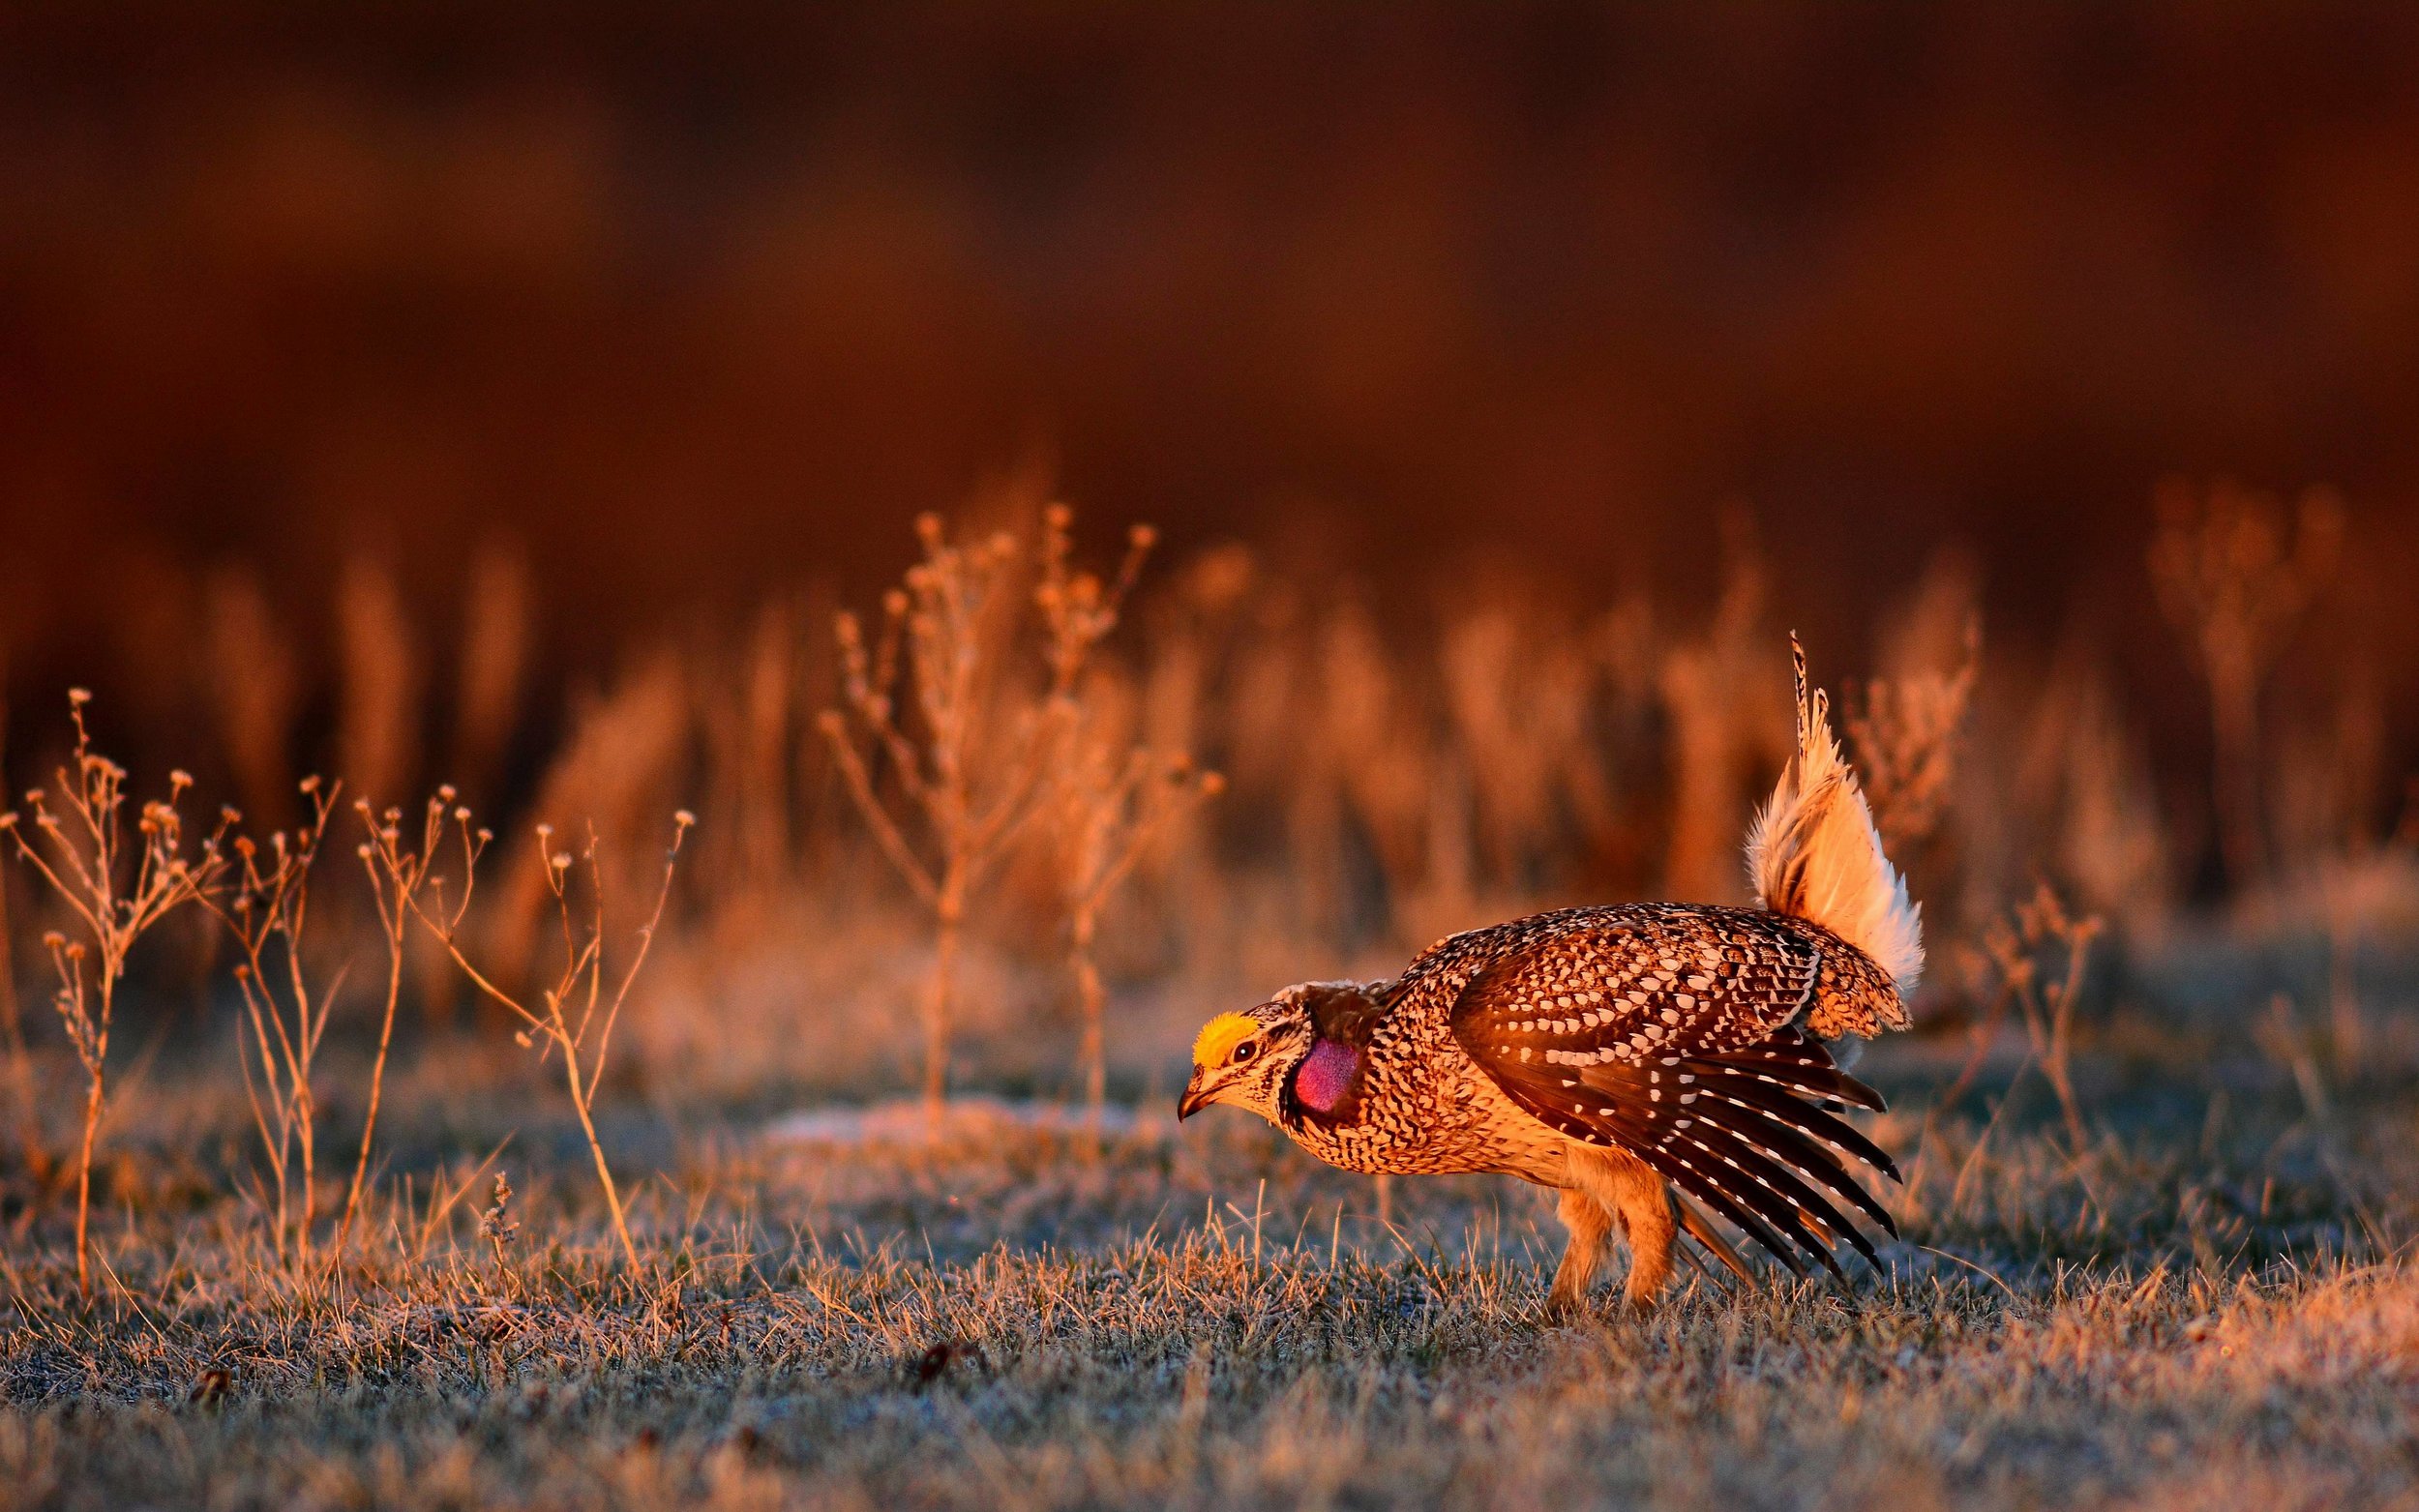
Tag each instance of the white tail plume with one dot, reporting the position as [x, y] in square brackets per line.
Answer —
[1814, 852]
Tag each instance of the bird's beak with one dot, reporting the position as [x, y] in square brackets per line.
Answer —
[1194, 1099]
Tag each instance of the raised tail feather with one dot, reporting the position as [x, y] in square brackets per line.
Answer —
[1814, 852]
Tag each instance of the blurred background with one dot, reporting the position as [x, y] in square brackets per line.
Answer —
[511, 394]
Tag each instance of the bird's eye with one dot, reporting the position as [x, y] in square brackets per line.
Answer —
[1245, 1051]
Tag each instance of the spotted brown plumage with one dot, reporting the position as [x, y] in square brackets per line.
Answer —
[1620, 1054]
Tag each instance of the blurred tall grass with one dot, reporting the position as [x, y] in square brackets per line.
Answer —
[1386, 779]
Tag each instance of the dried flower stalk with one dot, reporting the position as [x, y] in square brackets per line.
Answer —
[1110, 813]
[569, 1009]
[281, 1023]
[393, 888]
[929, 701]
[116, 887]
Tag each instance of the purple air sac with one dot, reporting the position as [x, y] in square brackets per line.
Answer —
[1326, 1078]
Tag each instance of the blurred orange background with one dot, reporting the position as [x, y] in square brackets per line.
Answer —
[697, 302]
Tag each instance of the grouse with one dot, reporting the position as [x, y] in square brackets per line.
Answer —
[1618, 1053]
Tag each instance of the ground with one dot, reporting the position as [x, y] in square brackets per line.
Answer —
[2205, 1305]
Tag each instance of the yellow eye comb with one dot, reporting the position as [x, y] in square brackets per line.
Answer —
[1221, 1035]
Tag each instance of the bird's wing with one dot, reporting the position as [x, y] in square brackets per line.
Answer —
[1623, 985]
[1671, 1038]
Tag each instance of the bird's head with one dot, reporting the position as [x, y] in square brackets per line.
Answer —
[1245, 1058]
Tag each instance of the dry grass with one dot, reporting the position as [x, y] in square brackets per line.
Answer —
[2189, 1310]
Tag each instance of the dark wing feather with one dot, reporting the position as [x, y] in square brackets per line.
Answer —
[1583, 1116]
[1667, 1033]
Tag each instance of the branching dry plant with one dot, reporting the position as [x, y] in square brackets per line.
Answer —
[569, 1009]
[1905, 742]
[939, 709]
[395, 874]
[114, 886]
[2042, 936]
[1112, 808]
[279, 1032]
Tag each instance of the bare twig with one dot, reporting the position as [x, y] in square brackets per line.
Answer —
[1110, 813]
[581, 981]
[2043, 927]
[929, 699]
[1905, 739]
[392, 892]
[116, 887]
[282, 1024]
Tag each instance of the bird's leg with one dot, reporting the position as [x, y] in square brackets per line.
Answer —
[1589, 1223]
[1642, 1200]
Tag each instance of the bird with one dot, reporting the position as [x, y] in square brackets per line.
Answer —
[1651, 1062]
